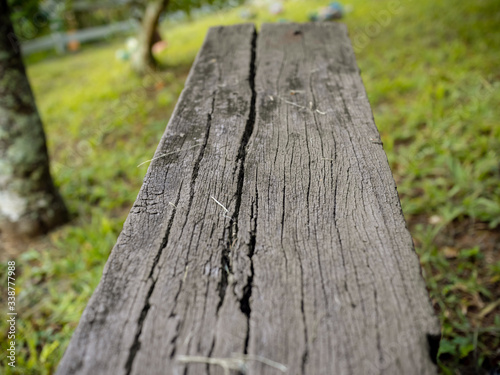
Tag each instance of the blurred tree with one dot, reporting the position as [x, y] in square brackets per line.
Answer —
[29, 202]
[23, 9]
[143, 59]
[28, 18]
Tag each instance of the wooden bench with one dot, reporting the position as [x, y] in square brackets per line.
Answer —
[268, 235]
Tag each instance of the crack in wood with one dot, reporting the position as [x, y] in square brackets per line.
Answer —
[305, 354]
[136, 345]
[245, 306]
[247, 289]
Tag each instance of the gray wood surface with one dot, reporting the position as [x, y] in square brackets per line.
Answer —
[268, 236]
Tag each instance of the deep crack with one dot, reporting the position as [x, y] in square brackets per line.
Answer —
[233, 228]
[247, 290]
[242, 152]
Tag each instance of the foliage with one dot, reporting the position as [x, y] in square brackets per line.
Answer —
[27, 17]
[432, 78]
[23, 8]
[431, 73]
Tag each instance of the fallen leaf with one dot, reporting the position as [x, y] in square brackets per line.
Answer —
[450, 252]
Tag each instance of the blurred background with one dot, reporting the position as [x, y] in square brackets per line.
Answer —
[106, 78]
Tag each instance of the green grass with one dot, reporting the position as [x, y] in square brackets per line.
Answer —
[433, 82]
[431, 73]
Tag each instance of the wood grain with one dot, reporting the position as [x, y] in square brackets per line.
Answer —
[270, 230]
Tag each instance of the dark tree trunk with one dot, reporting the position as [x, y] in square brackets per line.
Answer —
[143, 59]
[29, 202]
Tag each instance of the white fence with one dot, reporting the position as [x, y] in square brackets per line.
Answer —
[58, 41]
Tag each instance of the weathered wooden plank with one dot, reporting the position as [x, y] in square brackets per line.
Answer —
[276, 232]
[161, 287]
[336, 284]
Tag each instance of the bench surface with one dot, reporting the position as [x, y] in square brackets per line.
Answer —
[268, 235]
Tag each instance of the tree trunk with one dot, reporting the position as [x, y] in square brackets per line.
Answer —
[29, 202]
[143, 59]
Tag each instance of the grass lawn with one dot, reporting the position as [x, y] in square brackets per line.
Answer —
[432, 73]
